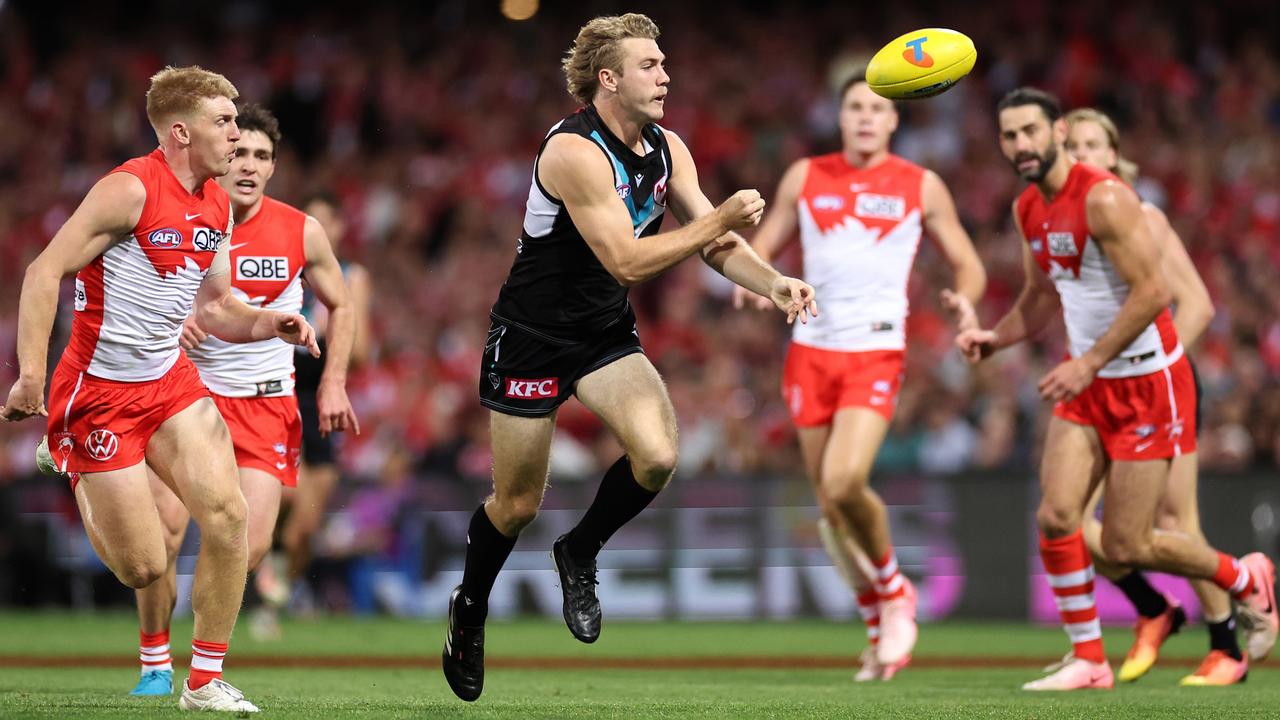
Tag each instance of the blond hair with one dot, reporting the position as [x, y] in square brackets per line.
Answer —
[599, 46]
[1125, 169]
[178, 91]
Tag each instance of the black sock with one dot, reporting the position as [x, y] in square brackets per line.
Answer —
[619, 499]
[1146, 600]
[1222, 636]
[487, 551]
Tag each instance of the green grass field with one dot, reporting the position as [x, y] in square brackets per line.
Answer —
[390, 669]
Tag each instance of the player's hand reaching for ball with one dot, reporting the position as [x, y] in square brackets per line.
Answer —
[742, 210]
[795, 298]
[295, 330]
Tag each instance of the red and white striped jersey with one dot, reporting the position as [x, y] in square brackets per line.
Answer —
[267, 259]
[131, 300]
[860, 229]
[1091, 290]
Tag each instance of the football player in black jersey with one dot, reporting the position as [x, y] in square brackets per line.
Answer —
[562, 325]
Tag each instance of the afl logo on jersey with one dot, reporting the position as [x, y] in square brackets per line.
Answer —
[624, 191]
[828, 202]
[165, 238]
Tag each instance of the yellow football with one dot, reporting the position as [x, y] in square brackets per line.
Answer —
[921, 64]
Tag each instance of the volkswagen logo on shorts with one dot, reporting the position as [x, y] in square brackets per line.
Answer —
[102, 444]
[165, 238]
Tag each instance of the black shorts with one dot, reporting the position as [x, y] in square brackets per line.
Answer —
[529, 373]
[316, 448]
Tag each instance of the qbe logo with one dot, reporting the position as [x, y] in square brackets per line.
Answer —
[886, 207]
[206, 239]
[529, 389]
[1062, 244]
[262, 268]
[102, 444]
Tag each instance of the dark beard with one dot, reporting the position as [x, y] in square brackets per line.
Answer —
[1046, 162]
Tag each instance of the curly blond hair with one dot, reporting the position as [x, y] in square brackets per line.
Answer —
[1125, 169]
[177, 91]
[599, 46]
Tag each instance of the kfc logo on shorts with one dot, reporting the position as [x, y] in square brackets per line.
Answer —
[529, 389]
[1063, 244]
[165, 238]
[102, 444]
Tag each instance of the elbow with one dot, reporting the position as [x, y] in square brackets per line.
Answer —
[625, 274]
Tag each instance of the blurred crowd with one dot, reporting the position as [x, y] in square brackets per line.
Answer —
[423, 121]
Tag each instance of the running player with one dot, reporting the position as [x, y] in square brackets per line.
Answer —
[275, 246]
[1124, 398]
[1092, 138]
[860, 213]
[562, 324]
[318, 392]
[148, 241]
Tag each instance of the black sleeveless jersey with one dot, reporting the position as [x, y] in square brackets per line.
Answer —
[556, 283]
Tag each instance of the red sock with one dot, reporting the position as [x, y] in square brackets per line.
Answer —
[888, 580]
[206, 662]
[1233, 577]
[1070, 570]
[153, 650]
[869, 609]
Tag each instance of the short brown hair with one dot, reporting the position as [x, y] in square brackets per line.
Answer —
[1125, 169]
[598, 46]
[255, 117]
[178, 91]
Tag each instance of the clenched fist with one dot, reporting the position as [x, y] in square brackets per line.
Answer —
[741, 210]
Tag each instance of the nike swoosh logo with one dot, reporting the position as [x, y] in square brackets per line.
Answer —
[858, 187]
[234, 248]
[192, 217]
[281, 466]
[1142, 446]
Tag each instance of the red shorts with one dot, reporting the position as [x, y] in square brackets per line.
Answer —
[1148, 417]
[816, 383]
[96, 425]
[266, 432]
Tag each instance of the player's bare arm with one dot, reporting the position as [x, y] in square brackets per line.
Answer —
[219, 313]
[778, 228]
[1119, 226]
[324, 275]
[1194, 307]
[574, 171]
[730, 255]
[109, 212]
[360, 290]
[1035, 306]
[943, 225]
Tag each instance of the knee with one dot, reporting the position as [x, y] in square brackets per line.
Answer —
[141, 573]
[225, 520]
[1123, 549]
[653, 469]
[513, 512]
[845, 489]
[1057, 521]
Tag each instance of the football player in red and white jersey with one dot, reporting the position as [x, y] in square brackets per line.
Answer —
[1124, 398]
[148, 241]
[274, 248]
[860, 213]
[1092, 138]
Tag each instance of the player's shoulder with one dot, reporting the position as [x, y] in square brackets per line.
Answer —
[282, 210]
[899, 164]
